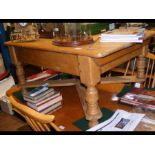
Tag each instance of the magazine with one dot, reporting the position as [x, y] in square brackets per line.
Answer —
[139, 96]
[120, 121]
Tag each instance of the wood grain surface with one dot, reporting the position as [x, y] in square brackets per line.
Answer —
[95, 50]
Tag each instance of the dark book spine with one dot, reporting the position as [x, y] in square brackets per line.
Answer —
[46, 104]
[38, 96]
[52, 108]
[51, 97]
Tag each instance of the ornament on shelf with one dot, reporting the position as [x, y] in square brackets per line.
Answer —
[24, 32]
[45, 30]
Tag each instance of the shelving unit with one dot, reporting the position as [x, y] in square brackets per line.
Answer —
[4, 49]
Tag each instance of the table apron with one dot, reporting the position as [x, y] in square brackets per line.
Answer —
[66, 63]
[120, 60]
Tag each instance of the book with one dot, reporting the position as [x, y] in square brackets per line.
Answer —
[4, 75]
[52, 95]
[38, 90]
[52, 108]
[132, 40]
[123, 35]
[49, 73]
[46, 104]
[139, 96]
[48, 92]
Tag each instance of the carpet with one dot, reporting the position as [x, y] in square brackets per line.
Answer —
[83, 123]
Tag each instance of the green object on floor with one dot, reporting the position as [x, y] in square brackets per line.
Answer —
[83, 123]
[125, 89]
[19, 96]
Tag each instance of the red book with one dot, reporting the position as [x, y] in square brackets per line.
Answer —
[42, 76]
[4, 75]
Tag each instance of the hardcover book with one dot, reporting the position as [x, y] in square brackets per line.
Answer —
[52, 108]
[4, 75]
[44, 94]
[38, 90]
[42, 76]
[44, 99]
[45, 104]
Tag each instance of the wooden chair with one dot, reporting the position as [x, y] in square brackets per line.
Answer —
[36, 120]
[128, 75]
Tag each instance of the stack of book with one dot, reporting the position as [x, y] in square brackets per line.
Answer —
[43, 99]
[140, 97]
[123, 35]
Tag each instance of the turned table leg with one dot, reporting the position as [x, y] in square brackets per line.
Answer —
[19, 69]
[90, 76]
[141, 67]
[93, 112]
[21, 75]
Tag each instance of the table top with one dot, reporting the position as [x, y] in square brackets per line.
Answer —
[97, 49]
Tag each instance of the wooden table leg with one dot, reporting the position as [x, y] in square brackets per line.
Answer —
[90, 76]
[141, 63]
[21, 76]
[141, 67]
[93, 112]
[19, 70]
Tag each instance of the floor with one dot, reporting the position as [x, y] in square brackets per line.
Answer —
[15, 122]
[71, 110]
[69, 113]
